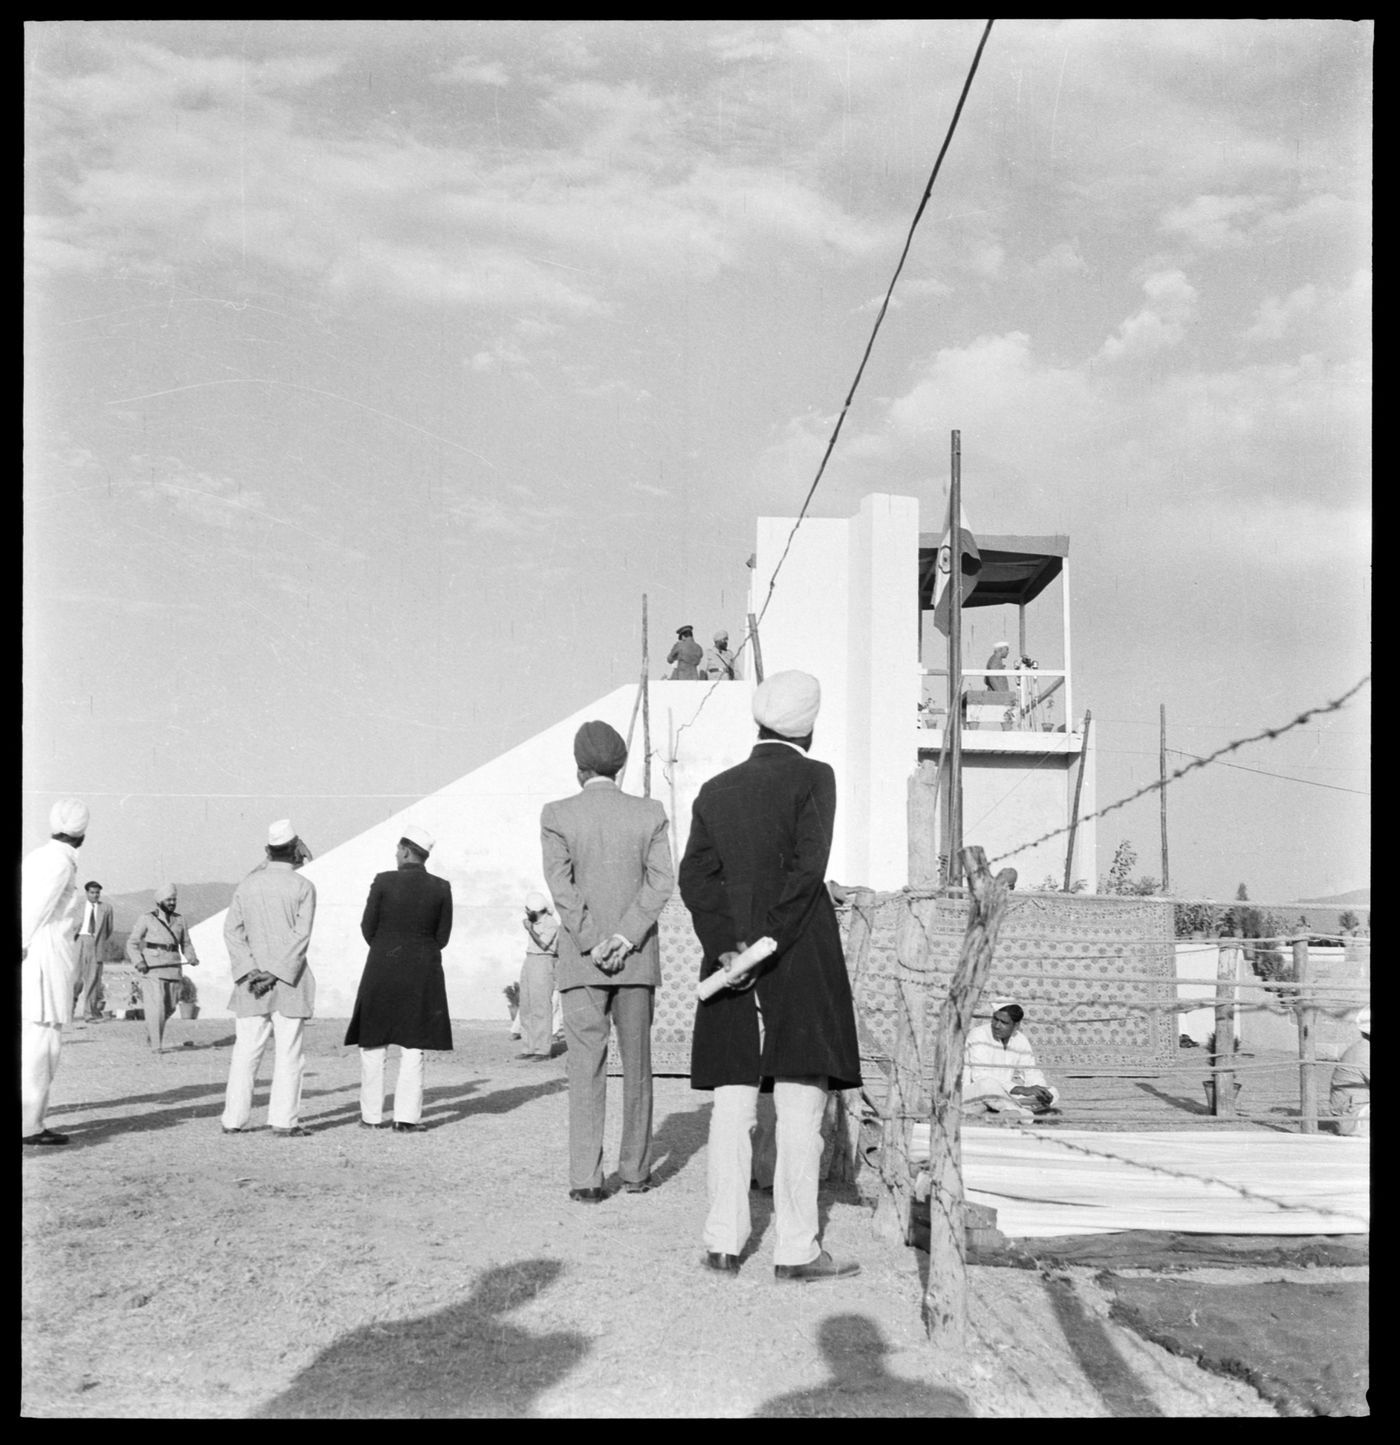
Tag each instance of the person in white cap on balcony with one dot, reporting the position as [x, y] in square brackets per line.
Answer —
[267, 931]
[158, 944]
[537, 977]
[755, 867]
[48, 883]
[402, 997]
[998, 660]
[718, 665]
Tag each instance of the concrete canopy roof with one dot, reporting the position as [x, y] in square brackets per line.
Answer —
[1014, 569]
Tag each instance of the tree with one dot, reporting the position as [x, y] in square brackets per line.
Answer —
[1348, 922]
[1117, 880]
[1244, 922]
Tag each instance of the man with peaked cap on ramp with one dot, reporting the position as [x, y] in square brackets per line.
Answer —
[755, 867]
[686, 654]
[48, 883]
[402, 998]
[267, 931]
[607, 862]
[158, 945]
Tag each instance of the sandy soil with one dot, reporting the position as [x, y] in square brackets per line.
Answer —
[171, 1271]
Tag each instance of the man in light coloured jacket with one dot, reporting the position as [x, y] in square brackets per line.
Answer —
[267, 932]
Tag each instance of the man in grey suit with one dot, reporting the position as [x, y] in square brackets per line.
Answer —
[607, 863]
[92, 938]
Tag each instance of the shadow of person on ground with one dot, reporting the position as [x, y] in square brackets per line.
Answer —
[465, 1361]
[1177, 1101]
[90, 1132]
[680, 1137]
[860, 1386]
[1106, 1370]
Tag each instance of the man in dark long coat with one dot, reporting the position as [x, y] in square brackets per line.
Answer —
[403, 995]
[754, 867]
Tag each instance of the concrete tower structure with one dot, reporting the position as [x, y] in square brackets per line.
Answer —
[846, 606]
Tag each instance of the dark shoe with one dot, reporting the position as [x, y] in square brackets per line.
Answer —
[522, 1057]
[409, 1128]
[588, 1196]
[45, 1136]
[365, 1124]
[643, 1186]
[722, 1263]
[822, 1267]
[226, 1130]
[294, 1133]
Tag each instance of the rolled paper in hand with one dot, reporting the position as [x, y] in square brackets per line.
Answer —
[746, 962]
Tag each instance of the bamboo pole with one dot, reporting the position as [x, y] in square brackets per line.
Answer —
[1307, 1037]
[945, 1297]
[1223, 1079]
[757, 650]
[646, 707]
[1162, 797]
[923, 821]
[955, 688]
[1074, 811]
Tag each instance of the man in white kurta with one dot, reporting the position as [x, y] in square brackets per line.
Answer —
[1000, 1074]
[48, 963]
[267, 931]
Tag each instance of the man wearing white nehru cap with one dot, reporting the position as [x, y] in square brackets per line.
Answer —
[48, 965]
[402, 998]
[267, 931]
[755, 867]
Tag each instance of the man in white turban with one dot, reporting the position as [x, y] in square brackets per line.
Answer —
[48, 964]
[755, 867]
[158, 946]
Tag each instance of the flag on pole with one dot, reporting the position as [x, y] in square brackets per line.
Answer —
[971, 566]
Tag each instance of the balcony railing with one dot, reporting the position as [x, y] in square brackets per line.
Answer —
[1033, 699]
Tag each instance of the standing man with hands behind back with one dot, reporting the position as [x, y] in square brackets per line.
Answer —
[755, 867]
[607, 863]
[267, 931]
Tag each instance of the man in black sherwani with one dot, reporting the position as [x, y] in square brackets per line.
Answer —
[755, 866]
[403, 995]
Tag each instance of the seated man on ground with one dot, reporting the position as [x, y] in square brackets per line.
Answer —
[1350, 1099]
[1000, 1075]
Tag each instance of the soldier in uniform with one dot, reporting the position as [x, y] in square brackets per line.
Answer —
[156, 947]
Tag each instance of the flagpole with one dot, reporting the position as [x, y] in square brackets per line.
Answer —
[954, 723]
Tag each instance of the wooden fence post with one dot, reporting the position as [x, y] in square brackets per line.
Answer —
[945, 1298]
[1226, 977]
[923, 821]
[1307, 1036]
[905, 1097]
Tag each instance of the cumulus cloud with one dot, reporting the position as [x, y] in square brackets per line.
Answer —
[1160, 324]
[1277, 314]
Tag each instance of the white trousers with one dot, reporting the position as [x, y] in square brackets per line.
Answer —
[250, 1040]
[799, 1104]
[38, 1063]
[408, 1088]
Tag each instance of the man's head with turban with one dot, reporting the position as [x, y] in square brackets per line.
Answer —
[787, 704]
[598, 748]
[69, 817]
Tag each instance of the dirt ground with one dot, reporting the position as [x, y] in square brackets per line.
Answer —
[171, 1271]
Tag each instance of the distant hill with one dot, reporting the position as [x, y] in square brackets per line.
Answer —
[1357, 898]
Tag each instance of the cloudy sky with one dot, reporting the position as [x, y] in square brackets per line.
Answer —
[375, 370]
